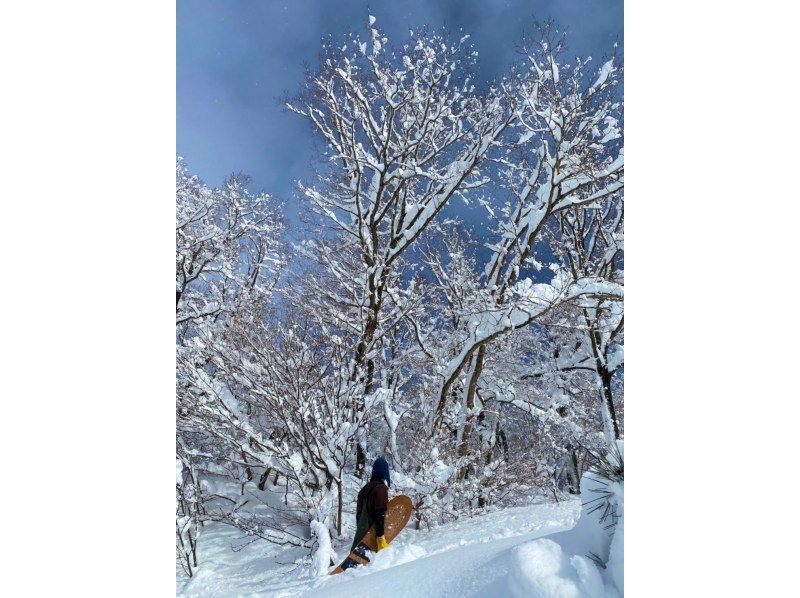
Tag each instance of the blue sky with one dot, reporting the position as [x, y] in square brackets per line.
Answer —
[236, 60]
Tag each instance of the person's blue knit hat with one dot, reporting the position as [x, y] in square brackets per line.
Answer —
[380, 471]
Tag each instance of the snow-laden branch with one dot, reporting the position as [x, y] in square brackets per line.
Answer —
[529, 301]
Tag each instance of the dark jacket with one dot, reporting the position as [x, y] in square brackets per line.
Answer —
[374, 497]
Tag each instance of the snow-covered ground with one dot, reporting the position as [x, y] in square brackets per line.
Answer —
[497, 554]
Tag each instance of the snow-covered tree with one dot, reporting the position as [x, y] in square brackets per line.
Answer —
[227, 246]
[227, 257]
[566, 156]
[405, 133]
[592, 244]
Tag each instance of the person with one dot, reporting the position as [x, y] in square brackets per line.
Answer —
[371, 505]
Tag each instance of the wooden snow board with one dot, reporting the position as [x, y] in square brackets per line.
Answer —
[398, 512]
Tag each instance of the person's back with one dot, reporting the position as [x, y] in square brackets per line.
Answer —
[371, 505]
[374, 499]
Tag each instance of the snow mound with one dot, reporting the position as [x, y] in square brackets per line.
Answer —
[388, 558]
[482, 557]
[397, 555]
[541, 569]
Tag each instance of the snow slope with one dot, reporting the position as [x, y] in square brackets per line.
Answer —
[498, 554]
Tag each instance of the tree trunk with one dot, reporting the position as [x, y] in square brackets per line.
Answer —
[339, 507]
[501, 438]
[604, 376]
[575, 485]
[361, 460]
[608, 398]
[194, 551]
[262, 482]
[248, 469]
[361, 361]
[472, 386]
